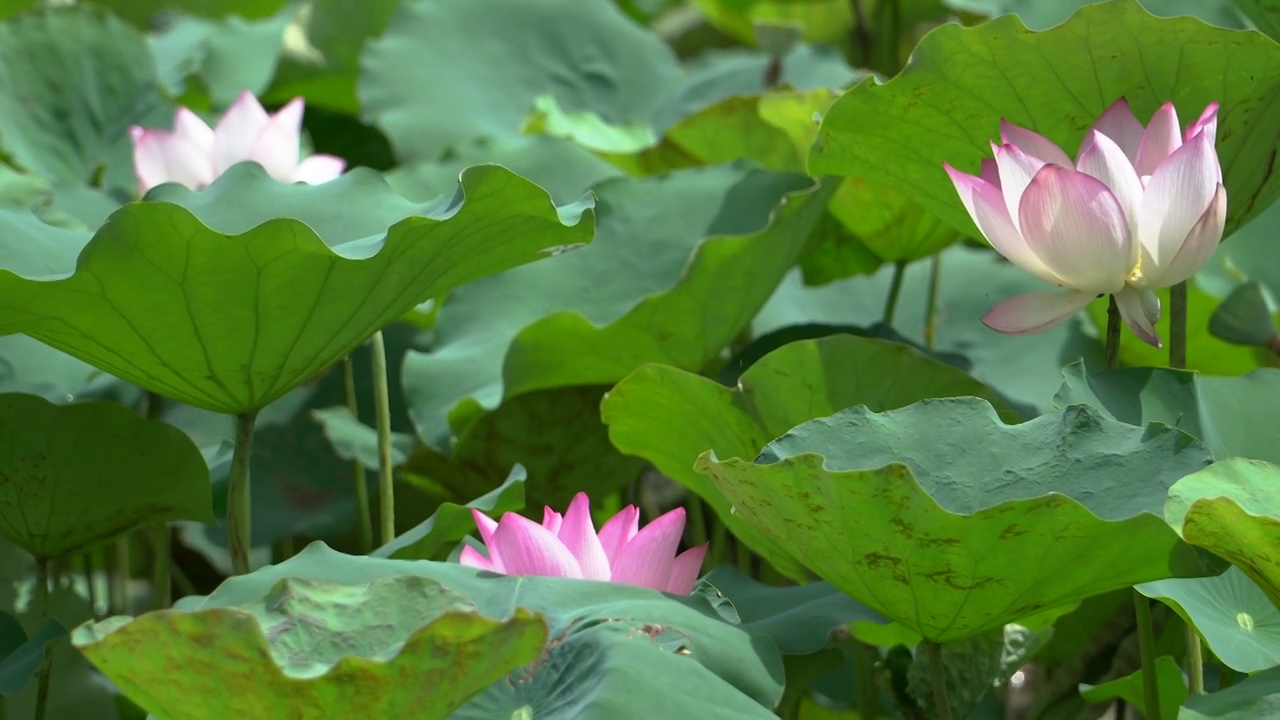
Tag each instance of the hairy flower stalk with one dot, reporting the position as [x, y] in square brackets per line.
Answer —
[194, 154]
[569, 546]
[1141, 208]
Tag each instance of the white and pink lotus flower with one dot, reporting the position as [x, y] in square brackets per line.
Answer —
[569, 546]
[1141, 208]
[194, 154]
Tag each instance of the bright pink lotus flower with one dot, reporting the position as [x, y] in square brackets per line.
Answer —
[1140, 209]
[569, 547]
[195, 154]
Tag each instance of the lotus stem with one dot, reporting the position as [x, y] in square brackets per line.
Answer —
[1178, 326]
[1111, 351]
[118, 590]
[1178, 360]
[239, 508]
[938, 677]
[362, 480]
[161, 561]
[1147, 648]
[931, 301]
[46, 667]
[382, 407]
[158, 534]
[895, 290]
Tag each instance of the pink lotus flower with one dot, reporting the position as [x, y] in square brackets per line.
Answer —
[569, 547]
[195, 154]
[1139, 210]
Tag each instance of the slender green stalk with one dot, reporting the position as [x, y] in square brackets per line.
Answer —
[1147, 647]
[158, 536]
[938, 678]
[1178, 326]
[1178, 360]
[895, 290]
[362, 480]
[89, 570]
[382, 407]
[46, 668]
[1142, 609]
[161, 562]
[239, 508]
[931, 301]
[120, 575]
[1111, 350]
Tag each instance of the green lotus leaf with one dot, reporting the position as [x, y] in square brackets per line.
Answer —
[72, 80]
[1044, 14]
[632, 71]
[396, 646]
[670, 417]
[21, 656]
[948, 521]
[1232, 510]
[228, 298]
[946, 104]
[1234, 416]
[1238, 621]
[72, 476]
[660, 283]
[799, 618]
[695, 664]
[1172, 689]
[1026, 370]
[1255, 698]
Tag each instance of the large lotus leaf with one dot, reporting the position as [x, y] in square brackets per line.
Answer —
[1265, 15]
[72, 476]
[721, 290]
[640, 260]
[950, 522]
[395, 646]
[1231, 509]
[1238, 621]
[225, 56]
[72, 80]
[586, 52]
[236, 311]
[1254, 698]
[562, 168]
[1044, 14]
[1234, 416]
[947, 103]
[695, 664]
[1027, 370]
[799, 618]
[556, 434]
[670, 417]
